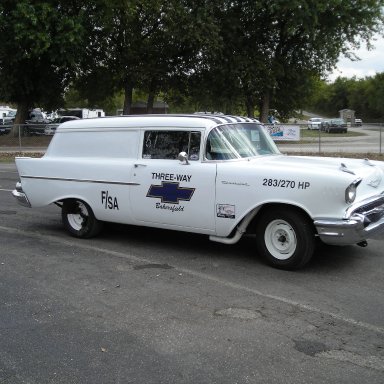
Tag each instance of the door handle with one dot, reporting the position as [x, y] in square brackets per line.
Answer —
[140, 165]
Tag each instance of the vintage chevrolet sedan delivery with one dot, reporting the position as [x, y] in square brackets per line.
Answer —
[216, 175]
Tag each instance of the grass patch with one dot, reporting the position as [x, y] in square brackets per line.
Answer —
[306, 133]
[350, 155]
[9, 157]
[26, 141]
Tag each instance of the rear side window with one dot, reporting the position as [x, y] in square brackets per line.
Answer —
[168, 144]
[106, 144]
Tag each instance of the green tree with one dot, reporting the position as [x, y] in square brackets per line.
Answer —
[147, 44]
[40, 44]
[364, 96]
[375, 96]
[273, 47]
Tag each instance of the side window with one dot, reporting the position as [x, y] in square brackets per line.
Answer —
[168, 144]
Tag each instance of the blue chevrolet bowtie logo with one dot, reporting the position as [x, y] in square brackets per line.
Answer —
[170, 192]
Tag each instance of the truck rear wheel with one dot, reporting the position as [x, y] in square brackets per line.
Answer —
[285, 238]
[79, 220]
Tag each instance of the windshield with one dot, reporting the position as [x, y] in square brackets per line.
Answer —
[236, 141]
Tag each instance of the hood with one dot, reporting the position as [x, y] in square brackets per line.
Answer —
[330, 163]
[371, 172]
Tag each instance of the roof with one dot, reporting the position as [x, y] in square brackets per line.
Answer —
[167, 120]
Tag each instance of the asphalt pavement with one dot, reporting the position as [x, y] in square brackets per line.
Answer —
[140, 305]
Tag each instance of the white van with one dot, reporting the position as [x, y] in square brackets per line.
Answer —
[216, 175]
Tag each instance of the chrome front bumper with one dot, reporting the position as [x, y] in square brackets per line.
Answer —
[20, 196]
[365, 221]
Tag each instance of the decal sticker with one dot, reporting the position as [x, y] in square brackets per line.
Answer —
[170, 177]
[172, 208]
[109, 202]
[235, 183]
[283, 183]
[226, 211]
[170, 192]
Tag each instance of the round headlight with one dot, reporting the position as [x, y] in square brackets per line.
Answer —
[350, 192]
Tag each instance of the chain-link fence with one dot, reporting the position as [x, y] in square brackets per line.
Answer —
[25, 137]
[368, 138]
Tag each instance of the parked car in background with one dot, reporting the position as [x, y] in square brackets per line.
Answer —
[35, 124]
[314, 122]
[358, 122]
[49, 131]
[33, 130]
[9, 118]
[334, 125]
[6, 120]
[50, 128]
[4, 130]
[37, 116]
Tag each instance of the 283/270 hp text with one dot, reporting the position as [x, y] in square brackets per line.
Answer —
[284, 183]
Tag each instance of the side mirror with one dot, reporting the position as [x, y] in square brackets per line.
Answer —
[183, 156]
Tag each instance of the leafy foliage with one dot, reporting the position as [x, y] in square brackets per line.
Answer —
[271, 49]
[230, 55]
[364, 96]
[147, 44]
[39, 49]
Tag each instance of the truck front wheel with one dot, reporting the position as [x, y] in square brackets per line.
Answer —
[79, 220]
[285, 238]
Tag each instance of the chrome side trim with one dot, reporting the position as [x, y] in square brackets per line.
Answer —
[79, 180]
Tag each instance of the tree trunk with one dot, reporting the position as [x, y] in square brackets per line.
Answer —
[151, 95]
[265, 107]
[150, 101]
[228, 108]
[127, 99]
[250, 106]
[21, 115]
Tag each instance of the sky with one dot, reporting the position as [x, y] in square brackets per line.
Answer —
[371, 62]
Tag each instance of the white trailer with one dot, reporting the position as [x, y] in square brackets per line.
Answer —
[82, 113]
[4, 110]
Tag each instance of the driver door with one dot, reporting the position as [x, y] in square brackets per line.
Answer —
[171, 193]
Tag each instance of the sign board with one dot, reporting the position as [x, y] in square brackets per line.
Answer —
[284, 132]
